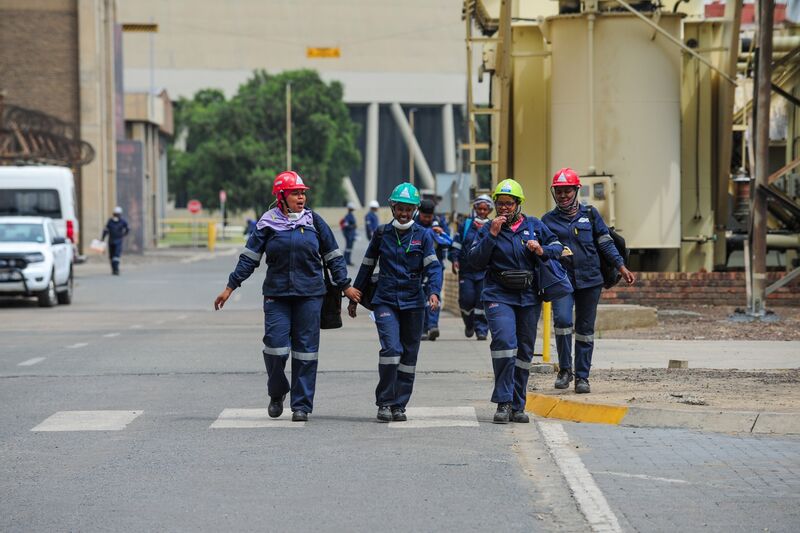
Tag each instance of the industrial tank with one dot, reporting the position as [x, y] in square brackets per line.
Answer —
[633, 102]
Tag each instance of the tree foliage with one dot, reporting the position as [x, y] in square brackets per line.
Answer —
[239, 145]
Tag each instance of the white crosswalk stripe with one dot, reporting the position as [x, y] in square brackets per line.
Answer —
[253, 418]
[88, 421]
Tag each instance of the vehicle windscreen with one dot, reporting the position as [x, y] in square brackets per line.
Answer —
[30, 203]
[21, 232]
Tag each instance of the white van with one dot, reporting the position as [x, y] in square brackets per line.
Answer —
[41, 191]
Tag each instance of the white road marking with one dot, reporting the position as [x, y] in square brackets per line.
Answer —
[587, 494]
[437, 417]
[253, 418]
[88, 421]
[78, 345]
[31, 362]
[181, 317]
[642, 476]
[110, 335]
[136, 326]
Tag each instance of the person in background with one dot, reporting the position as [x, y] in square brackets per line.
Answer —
[403, 251]
[348, 225]
[293, 239]
[505, 248]
[578, 227]
[116, 229]
[442, 242]
[470, 279]
[371, 220]
[249, 227]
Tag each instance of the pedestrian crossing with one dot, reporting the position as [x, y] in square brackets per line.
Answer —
[249, 418]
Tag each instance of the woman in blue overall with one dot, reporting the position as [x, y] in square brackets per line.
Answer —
[295, 242]
[505, 249]
[403, 250]
[572, 223]
[470, 279]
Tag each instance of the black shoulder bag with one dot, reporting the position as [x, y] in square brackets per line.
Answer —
[372, 282]
[611, 275]
[331, 313]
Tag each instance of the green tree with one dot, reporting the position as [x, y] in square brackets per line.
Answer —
[240, 144]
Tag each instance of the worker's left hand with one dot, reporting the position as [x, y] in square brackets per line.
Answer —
[534, 246]
[627, 275]
[433, 301]
[438, 229]
[353, 293]
[351, 309]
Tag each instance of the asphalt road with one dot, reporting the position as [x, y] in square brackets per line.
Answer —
[117, 412]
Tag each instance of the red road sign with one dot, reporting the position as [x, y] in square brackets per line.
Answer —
[194, 206]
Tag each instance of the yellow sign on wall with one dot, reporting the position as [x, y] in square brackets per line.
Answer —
[316, 53]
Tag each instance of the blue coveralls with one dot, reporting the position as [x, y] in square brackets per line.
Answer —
[293, 291]
[512, 314]
[349, 231]
[470, 279]
[371, 223]
[404, 259]
[116, 229]
[577, 234]
[432, 317]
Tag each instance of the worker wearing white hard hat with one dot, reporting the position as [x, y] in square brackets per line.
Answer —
[348, 225]
[371, 220]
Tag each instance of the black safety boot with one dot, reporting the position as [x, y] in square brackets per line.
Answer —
[582, 386]
[519, 417]
[503, 413]
[384, 414]
[564, 378]
[399, 414]
[299, 416]
[481, 337]
[275, 408]
[424, 336]
[433, 334]
[469, 332]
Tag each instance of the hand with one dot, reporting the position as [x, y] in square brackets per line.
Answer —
[433, 301]
[497, 225]
[456, 267]
[534, 246]
[219, 303]
[627, 275]
[351, 309]
[438, 229]
[353, 293]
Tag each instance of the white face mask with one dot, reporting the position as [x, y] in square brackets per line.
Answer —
[398, 225]
[293, 216]
[480, 221]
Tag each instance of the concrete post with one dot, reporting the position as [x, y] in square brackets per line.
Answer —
[371, 159]
[411, 142]
[448, 138]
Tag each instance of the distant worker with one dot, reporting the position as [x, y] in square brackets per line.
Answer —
[403, 251]
[348, 225]
[292, 238]
[441, 242]
[116, 229]
[505, 248]
[249, 227]
[470, 279]
[578, 227]
[371, 220]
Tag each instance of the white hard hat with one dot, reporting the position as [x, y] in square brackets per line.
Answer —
[483, 199]
[375, 204]
[351, 205]
[117, 210]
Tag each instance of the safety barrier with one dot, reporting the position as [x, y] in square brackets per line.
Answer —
[190, 232]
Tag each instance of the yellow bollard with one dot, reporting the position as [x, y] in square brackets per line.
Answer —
[547, 319]
[212, 235]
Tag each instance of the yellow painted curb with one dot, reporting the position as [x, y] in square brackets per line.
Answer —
[595, 413]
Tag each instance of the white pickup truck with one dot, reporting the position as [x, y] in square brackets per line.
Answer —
[35, 260]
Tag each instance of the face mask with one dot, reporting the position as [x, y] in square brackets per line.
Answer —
[480, 221]
[293, 216]
[398, 225]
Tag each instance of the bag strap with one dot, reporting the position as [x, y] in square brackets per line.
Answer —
[467, 224]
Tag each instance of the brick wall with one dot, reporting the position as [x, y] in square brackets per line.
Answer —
[711, 288]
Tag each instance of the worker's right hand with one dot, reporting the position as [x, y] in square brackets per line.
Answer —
[219, 303]
[497, 225]
[456, 267]
[351, 309]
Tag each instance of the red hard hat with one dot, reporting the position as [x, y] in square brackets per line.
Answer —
[288, 180]
[566, 177]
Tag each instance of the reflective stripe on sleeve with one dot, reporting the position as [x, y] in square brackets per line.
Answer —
[333, 253]
[456, 245]
[466, 312]
[584, 338]
[503, 354]
[430, 259]
[604, 238]
[247, 252]
[269, 350]
[305, 356]
[408, 369]
[563, 331]
[389, 360]
[368, 261]
[524, 365]
[479, 312]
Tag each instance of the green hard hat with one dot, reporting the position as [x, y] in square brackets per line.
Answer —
[510, 188]
[405, 193]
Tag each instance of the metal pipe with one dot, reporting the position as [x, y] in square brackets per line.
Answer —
[775, 241]
[371, 159]
[411, 142]
[590, 37]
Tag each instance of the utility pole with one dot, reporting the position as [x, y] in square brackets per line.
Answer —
[411, 153]
[288, 125]
[758, 236]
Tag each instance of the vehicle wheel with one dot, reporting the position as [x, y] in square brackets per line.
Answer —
[65, 296]
[49, 297]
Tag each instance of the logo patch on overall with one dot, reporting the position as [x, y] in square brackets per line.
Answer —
[562, 178]
[416, 243]
[268, 300]
[385, 314]
[583, 219]
[492, 306]
[526, 232]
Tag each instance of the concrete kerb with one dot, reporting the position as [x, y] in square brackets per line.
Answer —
[757, 422]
